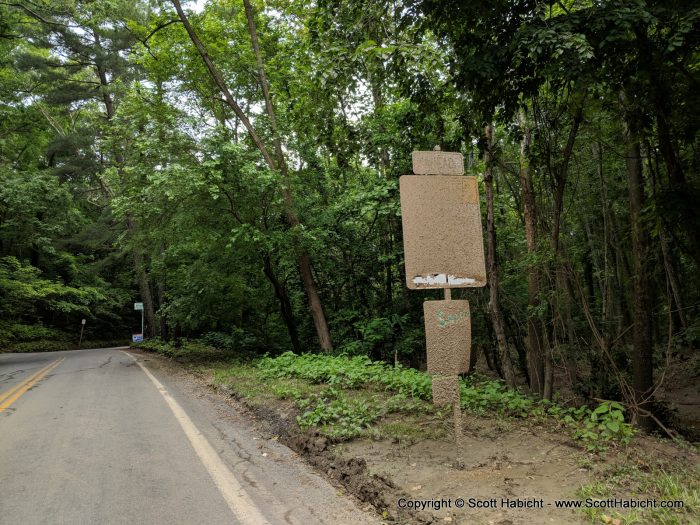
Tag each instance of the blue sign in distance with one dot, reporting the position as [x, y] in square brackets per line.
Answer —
[137, 338]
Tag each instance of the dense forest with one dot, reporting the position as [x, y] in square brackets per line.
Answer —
[234, 166]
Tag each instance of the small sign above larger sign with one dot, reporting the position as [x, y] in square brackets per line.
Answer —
[437, 163]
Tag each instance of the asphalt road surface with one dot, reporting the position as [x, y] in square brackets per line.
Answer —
[105, 436]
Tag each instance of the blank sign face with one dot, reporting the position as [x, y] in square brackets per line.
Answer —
[437, 163]
[442, 234]
[448, 337]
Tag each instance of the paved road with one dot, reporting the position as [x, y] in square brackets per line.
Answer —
[101, 436]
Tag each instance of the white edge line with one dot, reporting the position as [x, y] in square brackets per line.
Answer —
[230, 488]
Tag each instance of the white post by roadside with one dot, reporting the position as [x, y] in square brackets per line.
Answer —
[82, 326]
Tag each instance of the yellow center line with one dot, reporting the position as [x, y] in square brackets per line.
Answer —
[29, 384]
[12, 390]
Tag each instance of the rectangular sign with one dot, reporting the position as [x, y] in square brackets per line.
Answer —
[448, 336]
[442, 233]
[437, 163]
[138, 306]
[137, 338]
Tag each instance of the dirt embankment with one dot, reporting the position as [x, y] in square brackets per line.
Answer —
[350, 471]
[505, 472]
[496, 461]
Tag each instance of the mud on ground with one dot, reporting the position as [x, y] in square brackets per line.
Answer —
[496, 460]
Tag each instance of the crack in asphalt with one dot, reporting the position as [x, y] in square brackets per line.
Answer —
[7, 376]
[11, 375]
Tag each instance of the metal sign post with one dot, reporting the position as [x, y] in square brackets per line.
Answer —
[138, 337]
[443, 248]
[82, 326]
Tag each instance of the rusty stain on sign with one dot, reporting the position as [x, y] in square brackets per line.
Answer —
[437, 163]
[442, 233]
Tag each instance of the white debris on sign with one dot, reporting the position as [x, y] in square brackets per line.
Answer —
[451, 279]
[441, 278]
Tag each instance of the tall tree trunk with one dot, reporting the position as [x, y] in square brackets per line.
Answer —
[304, 261]
[534, 329]
[672, 275]
[642, 337]
[306, 270]
[137, 256]
[494, 306]
[162, 318]
[560, 176]
[285, 303]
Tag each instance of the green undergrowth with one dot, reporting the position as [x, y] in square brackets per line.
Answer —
[23, 338]
[595, 429]
[57, 346]
[643, 479]
[190, 352]
[344, 397]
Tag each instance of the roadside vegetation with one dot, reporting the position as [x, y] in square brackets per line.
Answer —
[348, 398]
[18, 337]
[643, 477]
[141, 162]
[234, 167]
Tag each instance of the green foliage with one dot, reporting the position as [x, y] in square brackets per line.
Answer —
[56, 344]
[336, 415]
[604, 426]
[184, 351]
[642, 478]
[595, 429]
[36, 209]
[123, 173]
[11, 333]
[237, 341]
[51, 345]
[29, 297]
[347, 372]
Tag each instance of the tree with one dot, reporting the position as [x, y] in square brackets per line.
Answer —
[280, 163]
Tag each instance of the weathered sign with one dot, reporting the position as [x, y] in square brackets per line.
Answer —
[447, 336]
[446, 392]
[442, 235]
[443, 248]
[437, 163]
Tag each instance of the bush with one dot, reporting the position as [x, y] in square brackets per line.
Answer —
[11, 333]
[184, 351]
[603, 426]
[237, 341]
[39, 346]
[52, 345]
